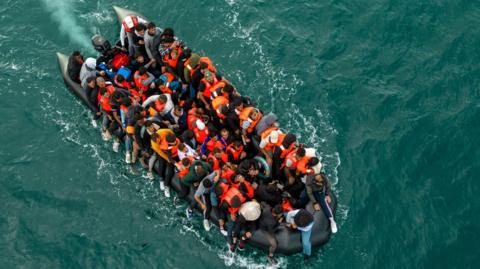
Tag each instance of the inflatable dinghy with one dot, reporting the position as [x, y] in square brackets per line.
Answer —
[289, 241]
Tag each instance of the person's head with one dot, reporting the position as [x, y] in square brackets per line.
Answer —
[228, 89]
[168, 32]
[155, 137]
[277, 210]
[186, 162]
[150, 127]
[236, 202]
[189, 134]
[77, 56]
[303, 218]
[120, 79]
[174, 54]
[162, 98]
[199, 170]
[142, 70]
[312, 162]
[218, 190]
[254, 114]
[225, 133]
[125, 101]
[272, 187]
[91, 81]
[223, 109]
[318, 179]
[171, 139]
[177, 110]
[237, 104]
[182, 147]
[300, 153]
[207, 183]
[273, 137]
[140, 29]
[209, 76]
[239, 178]
[151, 28]
[288, 140]
[139, 58]
[104, 92]
[101, 82]
[217, 152]
[203, 67]
[237, 144]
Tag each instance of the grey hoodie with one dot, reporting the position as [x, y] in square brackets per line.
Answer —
[152, 43]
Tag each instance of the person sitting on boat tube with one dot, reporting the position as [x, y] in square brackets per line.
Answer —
[127, 31]
[75, 62]
[245, 224]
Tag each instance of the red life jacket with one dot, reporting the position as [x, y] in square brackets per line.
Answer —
[217, 102]
[211, 87]
[159, 106]
[244, 116]
[105, 103]
[211, 145]
[172, 62]
[229, 195]
[235, 152]
[224, 186]
[119, 60]
[139, 81]
[125, 84]
[192, 117]
[286, 205]
[201, 135]
[248, 186]
[216, 162]
[227, 174]
[129, 23]
[184, 170]
[292, 158]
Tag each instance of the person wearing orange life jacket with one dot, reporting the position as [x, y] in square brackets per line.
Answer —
[211, 142]
[280, 152]
[171, 59]
[235, 152]
[219, 189]
[104, 103]
[200, 130]
[167, 83]
[210, 83]
[244, 186]
[230, 203]
[297, 163]
[162, 103]
[165, 143]
[143, 80]
[198, 74]
[128, 30]
[220, 106]
[183, 166]
[217, 158]
[270, 139]
[249, 117]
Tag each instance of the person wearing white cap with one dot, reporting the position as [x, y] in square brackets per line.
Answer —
[271, 138]
[245, 224]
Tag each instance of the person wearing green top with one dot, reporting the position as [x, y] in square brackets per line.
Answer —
[198, 170]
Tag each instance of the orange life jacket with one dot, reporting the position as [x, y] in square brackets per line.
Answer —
[172, 62]
[201, 135]
[286, 205]
[216, 162]
[159, 106]
[105, 103]
[192, 69]
[248, 186]
[227, 174]
[211, 145]
[235, 152]
[170, 78]
[244, 117]
[229, 195]
[291, 156]
[267, 132]
[211, 87]
[217, 102]
[286, 151]
[139, 81]
[302, 165]
[184, 170]
[192, 117]
[224, 186]
[133, 19]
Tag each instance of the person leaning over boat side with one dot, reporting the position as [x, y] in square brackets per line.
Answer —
[127, 31]
[302, 220]
[75, 62]
[268, 222]
[202, 197]
[317, 190]
[249, 117]
[198, 170]
[246, 223]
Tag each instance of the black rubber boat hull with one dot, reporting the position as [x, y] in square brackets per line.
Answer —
[289, 241]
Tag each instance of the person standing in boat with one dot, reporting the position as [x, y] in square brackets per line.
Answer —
[127, 32]
[75, 62]
[302, 220]
[152, 42]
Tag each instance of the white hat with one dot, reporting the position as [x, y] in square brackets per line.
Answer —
[91, 63]
[273, 137]
[200, 125]
[250, 210]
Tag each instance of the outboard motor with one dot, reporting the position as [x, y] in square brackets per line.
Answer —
[101, 45]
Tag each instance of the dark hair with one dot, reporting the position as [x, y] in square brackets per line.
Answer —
[142, 70]
[168, 32]
[181, 146]
[218, 189]
[137, 54]
[217, 150]
[126, 101]
[303, 218]
[289, 139]
[120, 78]
[76, 53]
[236, 202]
[90, 79]
[103, 91]
[277, 210]
[301, 152]
[207, 183]
[313, 161]
[163, 98]
[151, 25]
[203, 65]
[228, 88]
[189, 134]
[237, 102]
[237, 143]
[154, 136]
[140, 27]
[186, 162]
[171, 138]
[223, 109]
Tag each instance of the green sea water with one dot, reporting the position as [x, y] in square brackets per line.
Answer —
[386, 91]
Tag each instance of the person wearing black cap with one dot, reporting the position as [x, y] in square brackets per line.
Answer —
[302, 220]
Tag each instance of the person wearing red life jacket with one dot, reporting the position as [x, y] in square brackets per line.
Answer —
[244, 186]
[249, 117]
[201, 131]
[127, 32]
[235, 152]
[183, 166]
[219, 189]
[143, 81]
[217, 158]
[280, 152]
[270, 139]
[230, 203]
[210, 83]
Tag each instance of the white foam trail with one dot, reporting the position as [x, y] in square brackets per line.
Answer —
[61, 11]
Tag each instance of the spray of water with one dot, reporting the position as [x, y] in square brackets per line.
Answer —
[61, 12]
